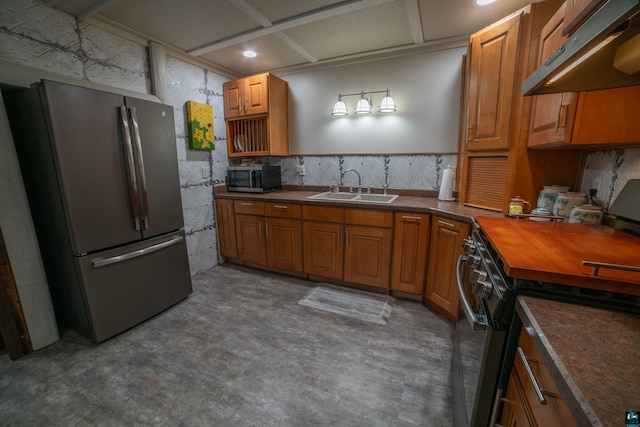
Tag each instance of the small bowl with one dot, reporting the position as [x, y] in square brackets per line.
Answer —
[542, 213]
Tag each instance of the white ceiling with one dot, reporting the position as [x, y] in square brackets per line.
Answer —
[288, 34]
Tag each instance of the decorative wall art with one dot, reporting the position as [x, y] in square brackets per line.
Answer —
[200, 121]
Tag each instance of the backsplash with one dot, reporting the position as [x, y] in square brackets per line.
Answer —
[410, 172]
[608, 171]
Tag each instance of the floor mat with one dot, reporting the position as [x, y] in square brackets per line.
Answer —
[360, 305]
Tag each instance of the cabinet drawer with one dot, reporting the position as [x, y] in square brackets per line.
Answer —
[323, 213]
[369, 217]
[248, 207]
[283, 210]
[555, 411]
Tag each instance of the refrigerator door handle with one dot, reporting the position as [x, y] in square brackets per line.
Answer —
[101, 262]
[141, 171]
[133, 182]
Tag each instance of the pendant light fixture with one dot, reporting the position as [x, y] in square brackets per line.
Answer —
[340, 108]
[364, 104]
[387, 105]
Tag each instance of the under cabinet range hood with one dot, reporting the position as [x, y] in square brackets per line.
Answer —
[603, 53]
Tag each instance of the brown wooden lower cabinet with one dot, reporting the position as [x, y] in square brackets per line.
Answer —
[323, 249]
[226, 225]
[250, 238]
[554, 411]
[371, 247]
[441, 292]
[514, 412]
[284, 243]
[367, 258]
[410, 245]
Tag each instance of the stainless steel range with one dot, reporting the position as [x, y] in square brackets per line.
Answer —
[487, 331]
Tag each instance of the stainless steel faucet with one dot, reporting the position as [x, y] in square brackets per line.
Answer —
[359, 179]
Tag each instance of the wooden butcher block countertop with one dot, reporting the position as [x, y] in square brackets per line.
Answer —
[551, 252]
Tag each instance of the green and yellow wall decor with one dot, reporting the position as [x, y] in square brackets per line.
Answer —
[200, 120]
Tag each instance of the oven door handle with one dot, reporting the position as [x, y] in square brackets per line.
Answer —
[477, 322]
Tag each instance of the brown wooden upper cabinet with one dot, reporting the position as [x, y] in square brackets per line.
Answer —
[576, 12]
[492, 73]
[247, 96]
[581, 118]
[256, 115]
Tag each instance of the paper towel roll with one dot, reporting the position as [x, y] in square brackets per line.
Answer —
[446, 186]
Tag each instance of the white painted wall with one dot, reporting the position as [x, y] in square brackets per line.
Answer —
[425, 86]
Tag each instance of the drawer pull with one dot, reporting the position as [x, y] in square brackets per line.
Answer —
[280, 207]
[246, 204]
[411, 218]
[539, 391]
[447, 224]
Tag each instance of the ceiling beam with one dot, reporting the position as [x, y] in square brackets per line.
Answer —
[262, 20]
[413, 12]
[92, 9]
[286, 24]
[251, 12]
[295, 46]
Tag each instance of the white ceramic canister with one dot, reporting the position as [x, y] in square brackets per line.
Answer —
[547, 196]
[566, 201]
[586, 214]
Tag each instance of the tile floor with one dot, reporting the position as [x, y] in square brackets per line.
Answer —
[240, 351]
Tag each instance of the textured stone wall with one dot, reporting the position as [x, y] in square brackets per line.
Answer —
[34, 35]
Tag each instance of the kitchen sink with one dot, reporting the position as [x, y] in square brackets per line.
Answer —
[354, 197]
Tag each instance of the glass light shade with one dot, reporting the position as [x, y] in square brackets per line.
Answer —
[363, 106]
[339, 109]
[387, 105]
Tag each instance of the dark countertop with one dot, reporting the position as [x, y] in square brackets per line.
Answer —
[404, 203]
[591, 354]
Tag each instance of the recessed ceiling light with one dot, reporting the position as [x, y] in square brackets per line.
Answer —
[249, 54]
[484, 2]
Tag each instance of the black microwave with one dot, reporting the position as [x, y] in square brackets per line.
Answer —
[253, 178]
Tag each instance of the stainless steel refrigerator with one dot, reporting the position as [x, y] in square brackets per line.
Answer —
[101, 175]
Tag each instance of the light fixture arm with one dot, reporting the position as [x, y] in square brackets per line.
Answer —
[361, 94]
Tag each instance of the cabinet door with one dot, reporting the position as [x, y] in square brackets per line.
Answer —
[549, 114]
[367, 256]
[233, 94]
[323, 249]
[514, 413]
[250, 238]
[493, 58]
[410, 244]
[226, 228]
[256, 95]
[554, 411]
[441, 292]
[284, 243]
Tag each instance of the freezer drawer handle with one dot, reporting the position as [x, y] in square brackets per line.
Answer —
[133, 183]
[101, 262]
[141, 171]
